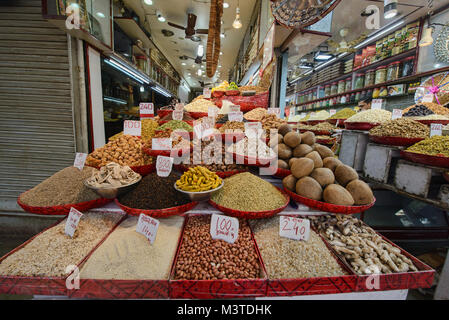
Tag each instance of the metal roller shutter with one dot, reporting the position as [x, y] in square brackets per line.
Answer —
[36, 118]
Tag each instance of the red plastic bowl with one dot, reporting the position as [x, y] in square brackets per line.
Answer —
[395, 141]
[232, 92]
[162, 113]
[198, 115]
[341, 122]
[436, 161]
[364, 126]
[158, 213]
[328, 207]
[314, 122]
[252, 215]
[429, 122]
[63, 209]
[166, 153]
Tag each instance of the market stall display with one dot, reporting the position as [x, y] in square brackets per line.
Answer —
[175, 124]
[255, 114]
[433, 151]
[340, 116]
[322, 128]
[198, 179]
[149, 126]
[252, 152]
[399, 132]
[199, 107]
[367, 119]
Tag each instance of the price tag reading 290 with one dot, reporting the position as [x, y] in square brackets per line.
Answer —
[294, 228]
[224, 228]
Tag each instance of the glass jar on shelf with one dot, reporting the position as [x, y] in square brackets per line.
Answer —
[334, 88]
[321, 93]
[370, 77]
[314, 94]
[369, 94]
[363, 95]
[383, 92]
[393, 71]
[352, 99]
[341, 86]
[376, 93]
[348, 84]
[343, 99]
[381, 75]
[327, 90]
[357, 96]
[359, 81]
[408, 65]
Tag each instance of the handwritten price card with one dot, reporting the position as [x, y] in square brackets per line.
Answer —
[252, 129]
[161, 144]
[212, 111]
[234, 108]
[72, 222]
[397, 113]
[206, 93]
[146, 110]
[80, 159]
[164, 166]
[179, 107]
[332, 112]
[294, 228]
[436, 129]
[224, 228]
[235, 116]
[148, 227]
[275, 111]
[377, 104]
[177, 115]
[132, 128]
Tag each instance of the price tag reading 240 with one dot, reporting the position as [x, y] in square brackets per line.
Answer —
[146, 110]
[224, 228]
[294, 228]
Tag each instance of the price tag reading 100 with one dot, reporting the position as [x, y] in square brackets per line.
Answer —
[224, 228]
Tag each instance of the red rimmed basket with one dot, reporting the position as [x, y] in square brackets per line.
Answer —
[436, 161]
[182, 134]
[326, 141]
[314, 122]
[395, 141]
[162, 113]
[221, 174]
[232, 92]
[328, 207]
[63, 209]
[282, 173]
[341, 122]
[255, 214]
[165, 153]
[218, 94]
[158, 213]
[363, 126]
[142, 170]
[219, 125]
[198, 115]
[429, 122]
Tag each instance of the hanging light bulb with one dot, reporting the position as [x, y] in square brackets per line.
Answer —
[237, 24]
[199, 72]
[148, 2]
[390, 9]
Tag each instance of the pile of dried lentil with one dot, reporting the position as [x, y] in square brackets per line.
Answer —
[64, 187]
[202, 258]
[155, 192]
[247, 192]
[286, 258]
[49, 254]
[127, 254]
[401, 127]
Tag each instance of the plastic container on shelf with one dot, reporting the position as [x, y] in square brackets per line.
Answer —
[327, 90]
[341, 86]
[376, 93]
[359, 81]
[393, 71]
[334, 88]
[142, 63]
[369, 94]
[357, 96]
[352, 99]
[383, 92]
[363, 95]
[381, 75]
[408, 65]
[314, 94]
[321, 93]
[348, 84]
[370, 78]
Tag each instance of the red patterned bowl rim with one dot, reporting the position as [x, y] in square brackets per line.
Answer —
[63, 209]
[155, 153]
[166, 212]
[395, 141]
[221, 174]
[328, 207]
[425, 158]
[423, 121]
[363, 126]
[282, 173]
[137, 169]
[198, 115]
[252, 214]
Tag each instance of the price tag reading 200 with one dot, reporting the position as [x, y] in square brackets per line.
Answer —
[294, 228]
[224, 228]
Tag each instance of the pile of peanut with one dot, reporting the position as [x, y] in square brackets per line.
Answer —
[126, 151]
[271, 121]
[202, 258]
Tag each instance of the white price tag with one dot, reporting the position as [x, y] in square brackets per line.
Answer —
[146, 110]
[397, 113]
[179, 107]
[206, 93]
[275, 111]
[72, 222]
[252, 129]
[234, 108]
[224, 228]
[377, 104]
[436, 129]
[80, 159]
[132, 128]
[161, 144]
[148, 227]
[332, 112]
[428, 97]
[294, 228]
[177, 115]
[235, 116]
[212, 111]
[164, 166]
[303, 114]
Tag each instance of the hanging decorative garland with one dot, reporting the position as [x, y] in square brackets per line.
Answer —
[301, 13]
[441, 47]
[213, 37]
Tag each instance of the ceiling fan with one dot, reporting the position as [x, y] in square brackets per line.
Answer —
[198, 60]
[190, 29]
[202, 84]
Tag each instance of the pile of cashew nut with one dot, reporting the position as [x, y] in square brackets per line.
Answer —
[360, 246]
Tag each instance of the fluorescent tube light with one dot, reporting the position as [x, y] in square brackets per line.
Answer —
[161, 91]
[126, 70]
[119, 101]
